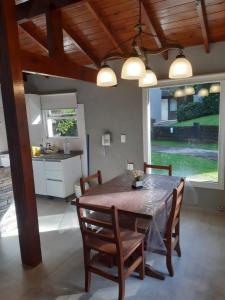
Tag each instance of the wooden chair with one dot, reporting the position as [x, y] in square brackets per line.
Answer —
[167, 168]
[172, 235]
[97, 176]
[110, 240]
[143, 226]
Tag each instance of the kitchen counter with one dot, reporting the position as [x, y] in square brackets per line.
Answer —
[4, 152]
[56, 156]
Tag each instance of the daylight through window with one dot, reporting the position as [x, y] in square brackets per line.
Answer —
[185, 130]
[61, 122]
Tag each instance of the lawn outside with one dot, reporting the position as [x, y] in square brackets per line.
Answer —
[194, 168]
[191, 166]
[211, 120]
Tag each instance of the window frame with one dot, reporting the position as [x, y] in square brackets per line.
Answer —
[221, 135]
[45, 122]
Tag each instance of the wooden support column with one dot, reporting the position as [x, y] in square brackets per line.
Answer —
[18, 136]
[202, 15]
[55, 33]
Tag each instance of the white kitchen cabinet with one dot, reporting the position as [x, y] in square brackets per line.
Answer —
[57, 178]
[39, 177]
[4, 160]
[33, 105]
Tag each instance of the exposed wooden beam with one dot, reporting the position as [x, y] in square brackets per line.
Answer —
[59, 67]
[18, 137]
[36, 34]
[102, 22]
[82, 45]
[200, 5]
[55, 33]
[31, 9]
[154, 28]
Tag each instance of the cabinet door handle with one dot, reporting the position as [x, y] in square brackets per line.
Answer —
[57, 180]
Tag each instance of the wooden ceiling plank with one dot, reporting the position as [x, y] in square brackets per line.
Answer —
[83, 46]
[27, 10]
[59, 67]
[201, 10]
[94, 11]
[55, 33]
[14, 106]
[154, 28]
[36, 34]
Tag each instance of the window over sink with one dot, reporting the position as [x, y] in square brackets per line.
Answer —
[61, 122]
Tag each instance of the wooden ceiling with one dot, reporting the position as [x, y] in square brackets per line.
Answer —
[91, 29]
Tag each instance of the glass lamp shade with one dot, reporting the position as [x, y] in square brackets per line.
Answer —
[214, 88]
[179, 93]
[203, 92]
[148, 80]
[106, 77]
[133, 68]
[189, 90]
[180, 68]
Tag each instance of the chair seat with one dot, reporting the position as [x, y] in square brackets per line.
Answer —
[143, 225]
[130, 241]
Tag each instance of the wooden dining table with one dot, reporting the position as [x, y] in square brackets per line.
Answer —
[144, 203]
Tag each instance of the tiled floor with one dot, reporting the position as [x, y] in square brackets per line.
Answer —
[199, 274]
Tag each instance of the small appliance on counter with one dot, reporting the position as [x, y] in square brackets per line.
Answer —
[66, 148]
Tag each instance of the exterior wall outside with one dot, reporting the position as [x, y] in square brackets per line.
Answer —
[156, 96]
[164, 109]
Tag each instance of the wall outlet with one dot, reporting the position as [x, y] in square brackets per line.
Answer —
[130, 166]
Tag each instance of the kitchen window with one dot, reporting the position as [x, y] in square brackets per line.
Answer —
[61, 122]
[190, 137]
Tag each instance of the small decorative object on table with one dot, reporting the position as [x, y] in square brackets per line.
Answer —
[137, 179]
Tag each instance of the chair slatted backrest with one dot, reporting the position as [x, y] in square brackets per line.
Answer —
[97, 176]
[109, 230]
[174, 216]
[167, 168]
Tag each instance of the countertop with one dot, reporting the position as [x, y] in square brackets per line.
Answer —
[56, 156]
[4, 152]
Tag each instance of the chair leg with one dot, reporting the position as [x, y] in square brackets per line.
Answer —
[177, 233]
[87, 272]
[121, 288]
[122, 278]
[141, 268]
[169, 262]
[177, 249]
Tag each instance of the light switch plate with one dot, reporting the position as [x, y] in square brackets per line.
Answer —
[130, 166]
[123, 138]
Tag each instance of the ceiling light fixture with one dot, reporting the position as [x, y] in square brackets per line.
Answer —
[148, 80]
[106, 77]
[135, 61]
[133, 68]
[180, 67]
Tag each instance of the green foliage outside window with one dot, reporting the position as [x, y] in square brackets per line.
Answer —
[66, 127]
